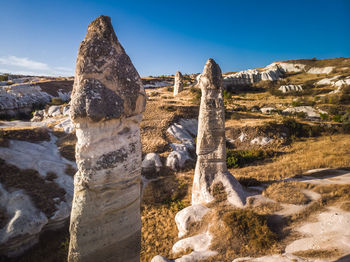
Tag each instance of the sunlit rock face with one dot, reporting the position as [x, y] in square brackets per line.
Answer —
[179, 83]
[211, 143]
[108, 99]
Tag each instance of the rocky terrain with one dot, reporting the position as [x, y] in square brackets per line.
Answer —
[282, 150]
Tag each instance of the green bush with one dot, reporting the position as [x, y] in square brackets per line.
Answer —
[337, 118]
[56, 101]
[196, 99]
[324, 116]
[4, 77]
[235, 159]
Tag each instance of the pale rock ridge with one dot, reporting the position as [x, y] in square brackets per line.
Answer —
[108, 99]
[179, 83]
[184, 131]
[211, 143]
[290, 88]
[21, 98]
[309, 111]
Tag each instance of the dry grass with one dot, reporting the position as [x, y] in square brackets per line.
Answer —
[318, 253]
[66, 144]
[303, 155]
[286, 192]
[161, 201]
[240, 232]
[30, 134]
[41, 191]
[345, 206]
[267, 208]
[330, 195]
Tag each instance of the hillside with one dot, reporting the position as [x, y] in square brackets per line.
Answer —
[289, 147]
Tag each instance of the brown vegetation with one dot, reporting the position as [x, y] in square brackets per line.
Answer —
[40, 191]
[286, 192]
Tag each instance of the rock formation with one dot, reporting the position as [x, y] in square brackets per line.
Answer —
[179, 83]
[108, 99]
[211, 143]
[290, 88]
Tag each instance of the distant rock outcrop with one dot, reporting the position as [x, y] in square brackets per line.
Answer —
[290, 88]
[107, 103]
[211, 143]
[21, 99]
[179, 83]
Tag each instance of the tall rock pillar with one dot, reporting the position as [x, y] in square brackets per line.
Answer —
[179, 83]
[108, 99]
[211, 143]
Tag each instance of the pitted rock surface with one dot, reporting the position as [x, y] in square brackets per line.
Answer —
[211, 142]
[106, 83]
[107, 101]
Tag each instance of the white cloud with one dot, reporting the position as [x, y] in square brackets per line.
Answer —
[26, 66]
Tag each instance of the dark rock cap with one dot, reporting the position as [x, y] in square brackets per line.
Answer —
[211, 75]
[106, 83]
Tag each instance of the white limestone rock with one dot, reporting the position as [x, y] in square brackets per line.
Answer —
[211, 143]
[67, 125]
[310, 112]
[184, 131]
[267, 110]
[275, 258]
[107, 102]
[200, 242]
[176, 160]
[261, 141]
[25, 223]
[321, 70]
[290, 88]
[21, 98]
[151, 162]
[189, 215]
[54, 111]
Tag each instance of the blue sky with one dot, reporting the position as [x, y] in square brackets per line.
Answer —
[42, 37]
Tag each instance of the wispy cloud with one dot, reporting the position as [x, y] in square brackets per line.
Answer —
[26, 66]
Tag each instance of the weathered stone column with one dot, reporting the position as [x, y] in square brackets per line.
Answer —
[106, 107]
[179, 83]
[211, 143]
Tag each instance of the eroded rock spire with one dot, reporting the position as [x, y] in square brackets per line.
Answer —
[179, 83]
[108, 99]
[211, 143]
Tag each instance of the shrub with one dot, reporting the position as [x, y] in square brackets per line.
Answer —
[324, 116]
[196, 99]
[337, 118]
[251, 228]
[286, 192]
[4, 77]
[235, 159]
[56, 101]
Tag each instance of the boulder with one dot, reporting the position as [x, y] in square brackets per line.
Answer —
[54, 111]
[189, 215]
[107, 102]
[151, 163]
[211, 143]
